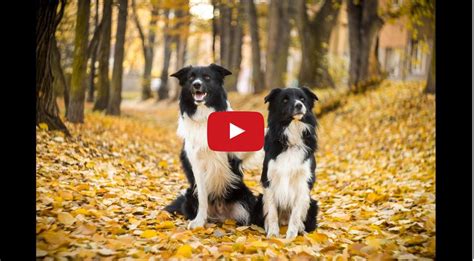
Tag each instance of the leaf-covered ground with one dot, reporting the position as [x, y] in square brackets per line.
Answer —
[100, 193]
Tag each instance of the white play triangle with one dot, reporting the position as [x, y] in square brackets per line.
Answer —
[234, 131]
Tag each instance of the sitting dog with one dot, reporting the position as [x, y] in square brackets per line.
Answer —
[216, 189]
[289, 165]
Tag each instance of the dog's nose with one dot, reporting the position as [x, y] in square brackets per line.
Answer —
[298, 106]
[197, 85]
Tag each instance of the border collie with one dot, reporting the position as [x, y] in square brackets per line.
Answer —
[289, 165]
[217, 191]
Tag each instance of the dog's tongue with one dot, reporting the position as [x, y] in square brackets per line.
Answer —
[199, 96]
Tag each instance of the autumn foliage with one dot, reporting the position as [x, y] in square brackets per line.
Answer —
[100, 192]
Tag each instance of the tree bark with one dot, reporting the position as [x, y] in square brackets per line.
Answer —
[364, 27]
[47, 20]
[314, 38]
[77, 93]
[257, 74]
[58, 73]
[278, 43]
[103, 82]
[431, 82]
[115, 99]
[90, 94]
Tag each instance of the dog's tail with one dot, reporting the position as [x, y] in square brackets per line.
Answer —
[175, 207]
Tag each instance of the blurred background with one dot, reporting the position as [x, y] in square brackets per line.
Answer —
[106, 51]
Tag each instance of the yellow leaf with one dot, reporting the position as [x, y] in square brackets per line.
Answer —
[55, 238]
[66, 218]
[166, 224]
[148, 234]
[318, 237]
[230, 222]
[43, 126]
[184, 251]
[66, 195]
[82, 211]
[163, 164]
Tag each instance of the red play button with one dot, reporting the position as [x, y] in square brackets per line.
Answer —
[235, 131]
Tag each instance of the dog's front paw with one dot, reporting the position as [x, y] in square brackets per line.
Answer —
[273, 231]
[291, 233]
[197, 222]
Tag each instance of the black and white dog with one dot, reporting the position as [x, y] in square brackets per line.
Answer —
[217, 191]
[289, 165]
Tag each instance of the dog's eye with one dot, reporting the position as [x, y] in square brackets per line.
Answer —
[191, 77]
[302, 99]
[207, 77]
[285, 100]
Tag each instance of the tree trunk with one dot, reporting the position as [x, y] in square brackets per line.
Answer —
[364, 26]
[182, 27]
[90, 96]
[257, 74]
[230, 35]
[431, 82]
[58, 73]
[278, 43]
[225, 21]
[47, 20]
[163, 91]
[148, 45]
[103, 82]
[75, 113]
[314, 38]
[115, 99]
[235, 54]
[215, 28]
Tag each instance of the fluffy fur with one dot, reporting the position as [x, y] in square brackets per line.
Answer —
[217, 191]
[289, 165]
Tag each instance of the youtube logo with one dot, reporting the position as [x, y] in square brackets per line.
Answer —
[235, 131]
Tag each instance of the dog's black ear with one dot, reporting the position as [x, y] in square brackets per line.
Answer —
[181, 74]
[310, 93]
[272, 94]
[223, 71]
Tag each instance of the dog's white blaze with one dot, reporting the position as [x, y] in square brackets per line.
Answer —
[288, 174]
[197, 81]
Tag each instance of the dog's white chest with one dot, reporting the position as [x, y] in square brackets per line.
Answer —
[211, 166]
[289, 172]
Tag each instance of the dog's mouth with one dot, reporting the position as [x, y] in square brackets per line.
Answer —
[199, 96]
[298, 116]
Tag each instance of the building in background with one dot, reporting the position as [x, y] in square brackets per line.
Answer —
[400, 55]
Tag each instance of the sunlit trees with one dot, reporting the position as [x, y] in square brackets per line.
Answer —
[148, 45]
